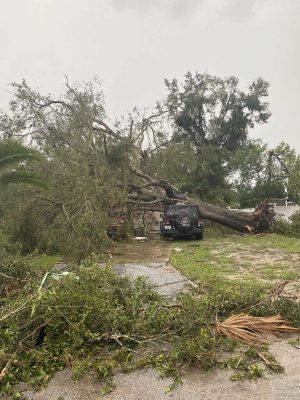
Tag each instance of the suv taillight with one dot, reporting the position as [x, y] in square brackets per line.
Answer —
[200, 222]
[167, 221]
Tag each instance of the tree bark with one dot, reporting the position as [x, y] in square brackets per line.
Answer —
[258, 221]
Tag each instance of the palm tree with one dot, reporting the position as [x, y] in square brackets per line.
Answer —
[13, 158]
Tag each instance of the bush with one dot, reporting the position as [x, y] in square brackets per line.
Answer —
[9, 253]
[17, 270]
[291, 229]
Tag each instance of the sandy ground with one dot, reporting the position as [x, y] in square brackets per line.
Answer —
[152, 251]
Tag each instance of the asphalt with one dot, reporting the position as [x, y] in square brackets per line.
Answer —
[216, 385]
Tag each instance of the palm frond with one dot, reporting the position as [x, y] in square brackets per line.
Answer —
[16, 158]
[22, 177]
[12, 152]
[253, 330]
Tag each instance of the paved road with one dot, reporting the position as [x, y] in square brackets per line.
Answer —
[146, 384]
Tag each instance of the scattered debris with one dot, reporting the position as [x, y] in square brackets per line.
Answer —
[178, 249]
[140, 238]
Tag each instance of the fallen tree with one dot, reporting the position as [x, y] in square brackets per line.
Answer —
[153, 195]
[93, 166]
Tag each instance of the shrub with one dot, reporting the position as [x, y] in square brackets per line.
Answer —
[291, 228]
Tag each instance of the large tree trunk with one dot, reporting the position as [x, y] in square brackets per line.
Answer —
[258, 221]
[153, 195]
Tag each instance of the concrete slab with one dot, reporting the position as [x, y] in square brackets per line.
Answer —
[164, 279]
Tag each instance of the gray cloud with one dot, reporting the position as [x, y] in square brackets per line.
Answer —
[240, 10]
[173, 8]
[132, 45]
[235, 10]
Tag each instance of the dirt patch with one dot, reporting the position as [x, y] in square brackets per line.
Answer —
[150, 250]
[263, 257]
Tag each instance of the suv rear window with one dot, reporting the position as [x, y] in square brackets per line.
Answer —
[186, 211]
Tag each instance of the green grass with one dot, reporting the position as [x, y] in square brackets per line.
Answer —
[207, 263]
[273, 240]
[198, 262]
[213, 257]
[237, 279]
[279, 272]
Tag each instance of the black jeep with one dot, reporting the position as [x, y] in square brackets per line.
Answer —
[182, 220]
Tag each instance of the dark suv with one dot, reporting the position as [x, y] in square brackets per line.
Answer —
[182, 220]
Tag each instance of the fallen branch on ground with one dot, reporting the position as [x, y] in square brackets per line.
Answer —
[253, 330]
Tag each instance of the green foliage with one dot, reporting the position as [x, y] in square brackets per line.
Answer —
[246, 369]
[213, 117]
[295, 342]
[16, 270]
[294, 178]
[84, 168]
[12, 152]
[211, 110]
[87, 314]
[290, 229]
[197, 139]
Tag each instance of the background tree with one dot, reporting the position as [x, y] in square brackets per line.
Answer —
[214, 116]
[285, 168]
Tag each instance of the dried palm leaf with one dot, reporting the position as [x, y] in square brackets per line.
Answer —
[253, 330]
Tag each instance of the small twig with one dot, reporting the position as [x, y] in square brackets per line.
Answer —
[7, 276]
[273, 293]
[169, 283]
[19, 308]
[34, 331]
[6, 368]
[69, 322]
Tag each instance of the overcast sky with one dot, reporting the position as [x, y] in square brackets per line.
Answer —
[132, 45]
